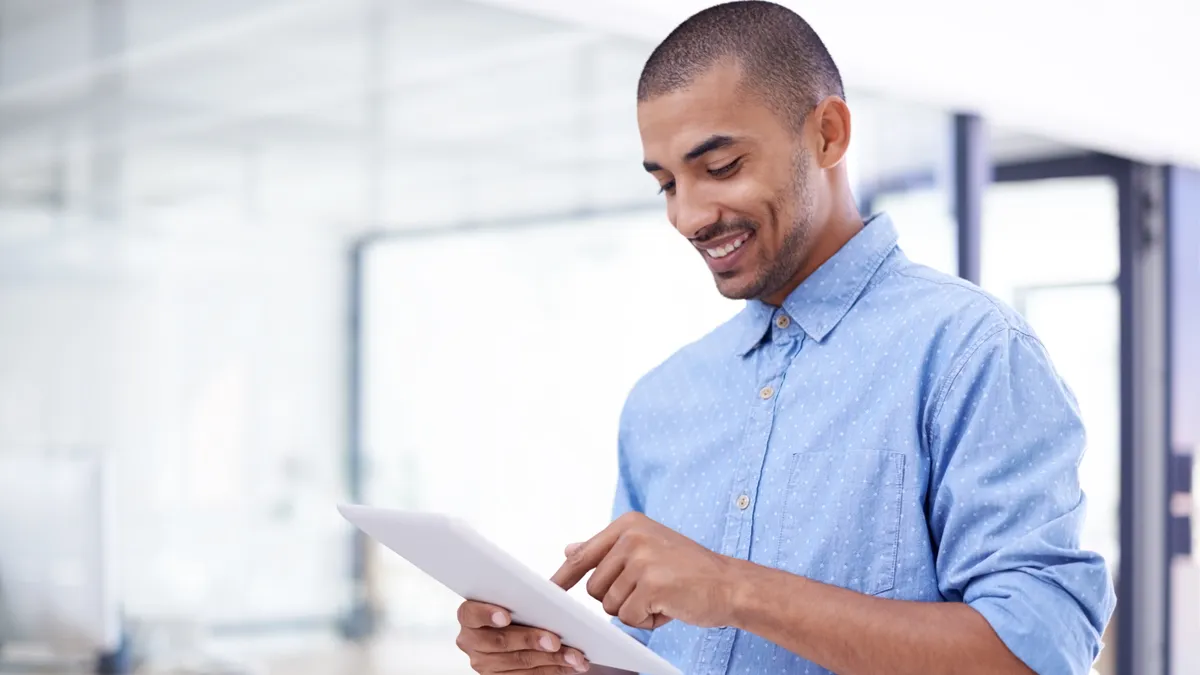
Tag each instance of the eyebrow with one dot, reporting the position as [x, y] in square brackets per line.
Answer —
[714, 142]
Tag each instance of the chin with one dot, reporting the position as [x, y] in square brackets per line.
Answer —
[738, 286]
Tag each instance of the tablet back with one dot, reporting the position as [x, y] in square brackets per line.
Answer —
[458, 557]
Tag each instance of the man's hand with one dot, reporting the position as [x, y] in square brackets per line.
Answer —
[494, 645]
[647, 574]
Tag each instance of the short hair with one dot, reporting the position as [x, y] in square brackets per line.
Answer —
[782, 58]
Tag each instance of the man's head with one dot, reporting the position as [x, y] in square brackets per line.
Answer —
[744, 126]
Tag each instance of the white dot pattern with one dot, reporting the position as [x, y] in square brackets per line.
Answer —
[916, 444]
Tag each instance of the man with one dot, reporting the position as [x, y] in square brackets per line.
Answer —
[871, 468]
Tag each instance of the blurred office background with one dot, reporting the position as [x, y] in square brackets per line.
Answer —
[261, 257]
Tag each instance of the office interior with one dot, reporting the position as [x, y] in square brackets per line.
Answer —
[262, 257]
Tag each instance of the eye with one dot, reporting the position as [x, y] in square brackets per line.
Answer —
[667, 187]
[723, 171]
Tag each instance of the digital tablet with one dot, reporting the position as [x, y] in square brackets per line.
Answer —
[454, 554]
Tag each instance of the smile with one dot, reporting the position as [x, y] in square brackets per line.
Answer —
[724, 256]
[722, 251]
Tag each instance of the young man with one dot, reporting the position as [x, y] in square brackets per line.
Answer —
[870, 469]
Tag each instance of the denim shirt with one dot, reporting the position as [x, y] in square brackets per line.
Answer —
[891, 430]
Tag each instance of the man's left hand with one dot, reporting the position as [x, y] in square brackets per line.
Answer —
[646, 574]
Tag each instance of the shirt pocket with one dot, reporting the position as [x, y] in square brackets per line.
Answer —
[841, 522]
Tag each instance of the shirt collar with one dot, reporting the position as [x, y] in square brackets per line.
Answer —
[821, 300]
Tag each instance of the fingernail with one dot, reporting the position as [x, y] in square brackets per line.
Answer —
[572, 659]
[499, 619]
[573, 549]
[546, 643]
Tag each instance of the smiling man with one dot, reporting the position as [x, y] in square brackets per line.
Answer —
[873, 467]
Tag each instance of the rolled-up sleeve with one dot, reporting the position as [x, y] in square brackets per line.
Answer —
[1006, 507]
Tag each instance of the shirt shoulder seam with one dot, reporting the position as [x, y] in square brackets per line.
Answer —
[943, 392]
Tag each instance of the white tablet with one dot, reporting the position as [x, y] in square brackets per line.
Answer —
[458, 557]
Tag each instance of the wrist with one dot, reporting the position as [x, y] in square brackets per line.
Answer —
[744, 579]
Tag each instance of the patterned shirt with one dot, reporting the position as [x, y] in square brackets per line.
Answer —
[889, 429]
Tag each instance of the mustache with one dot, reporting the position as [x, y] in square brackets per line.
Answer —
[722, 228]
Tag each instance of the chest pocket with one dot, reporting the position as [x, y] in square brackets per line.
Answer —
[841, 523]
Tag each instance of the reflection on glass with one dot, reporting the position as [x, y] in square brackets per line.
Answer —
[496, 366]
[1051, 249]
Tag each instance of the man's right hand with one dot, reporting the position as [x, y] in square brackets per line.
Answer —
[494, 645]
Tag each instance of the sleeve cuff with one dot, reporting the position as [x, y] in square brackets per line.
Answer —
[1040, 622]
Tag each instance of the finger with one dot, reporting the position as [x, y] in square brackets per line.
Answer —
[528, 661]
[548, 670]
[606, 573]
[572, 548]
[553, 670]
[575, 659]
[635, 611]
[511, 639]
[473, 614]
[588, 555]
[616, 595]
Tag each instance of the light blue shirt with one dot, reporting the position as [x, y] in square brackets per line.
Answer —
[889, 429]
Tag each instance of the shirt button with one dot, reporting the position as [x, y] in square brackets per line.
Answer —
[743, 502]
[766, 392]
[783, 321]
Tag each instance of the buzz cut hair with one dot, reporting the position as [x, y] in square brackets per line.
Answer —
[782, 59]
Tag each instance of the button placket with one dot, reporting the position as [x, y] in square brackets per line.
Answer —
[714, 655]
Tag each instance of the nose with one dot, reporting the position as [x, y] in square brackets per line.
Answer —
[691, 212]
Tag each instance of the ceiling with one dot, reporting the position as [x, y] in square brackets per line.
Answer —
[1102, 74]
[208, 113]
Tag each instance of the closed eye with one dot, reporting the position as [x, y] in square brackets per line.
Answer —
[722, 171]
[668, 186]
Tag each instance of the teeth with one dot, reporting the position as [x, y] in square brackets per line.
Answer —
[727, 248]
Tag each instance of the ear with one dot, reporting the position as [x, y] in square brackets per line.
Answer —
[832, 120]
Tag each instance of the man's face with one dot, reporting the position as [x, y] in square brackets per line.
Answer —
[736, 181]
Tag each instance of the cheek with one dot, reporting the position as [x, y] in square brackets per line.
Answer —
[748, 197]
[776, 224]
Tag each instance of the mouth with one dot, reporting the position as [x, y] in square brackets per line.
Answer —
[723, 255]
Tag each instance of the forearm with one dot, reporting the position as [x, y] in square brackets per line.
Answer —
[854, 634]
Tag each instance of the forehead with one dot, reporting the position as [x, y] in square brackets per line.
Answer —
[716, 102]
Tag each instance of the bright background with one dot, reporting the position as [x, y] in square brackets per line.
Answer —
[183, 184]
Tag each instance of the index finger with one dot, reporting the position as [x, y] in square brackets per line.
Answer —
[586, 556]
[473, 614]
